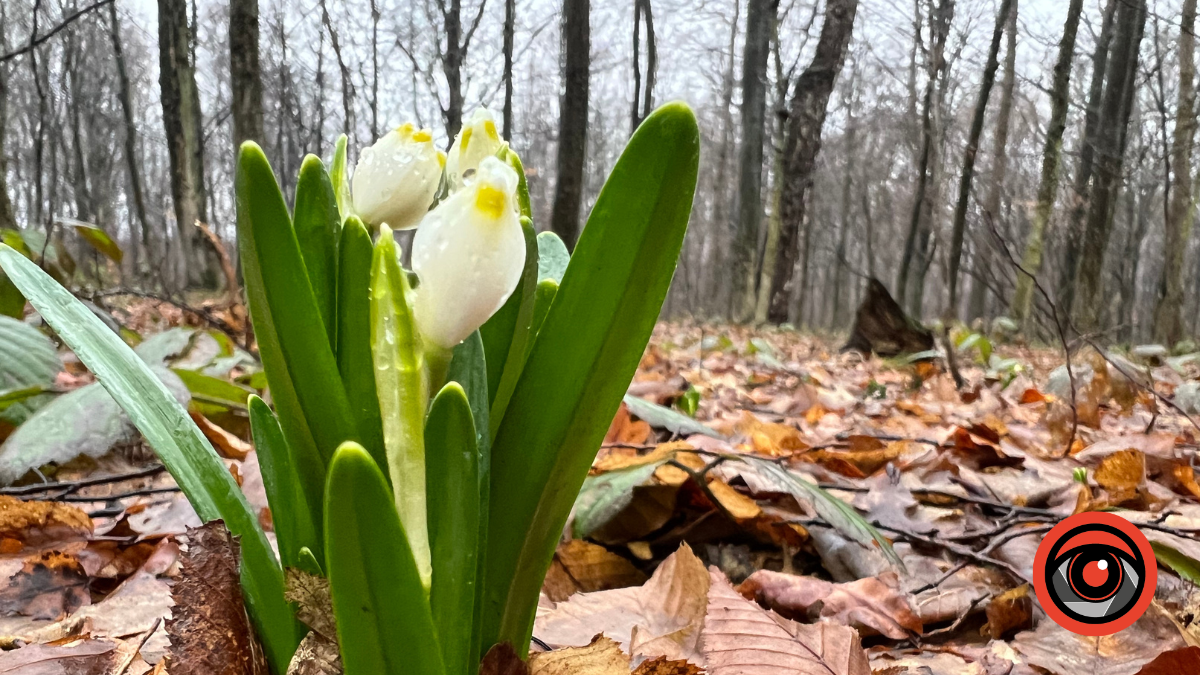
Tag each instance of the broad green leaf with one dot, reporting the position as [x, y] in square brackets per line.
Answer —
[318, 227]
[602, 497]
[293, 344]
[12, 303]
[452, 475]
[506, 335]
[340, 177]
[85, 422]
[469, 370]
[99, 240]
[661, 417]
[583, 360]
[1186, 567]
[214, 391]
[840, 515]
[401, 383]
[181, 446]
[553, 257]
[383, 620]
[160, 348]
[290, 510]
[689, 403]
[27, 359]
[354, 335]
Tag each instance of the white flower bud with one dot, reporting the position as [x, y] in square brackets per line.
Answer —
[477, 140]
[396, 179]
[468, 254]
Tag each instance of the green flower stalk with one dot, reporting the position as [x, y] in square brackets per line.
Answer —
[402, 384]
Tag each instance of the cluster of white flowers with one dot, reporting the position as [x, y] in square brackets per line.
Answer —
[469, 250]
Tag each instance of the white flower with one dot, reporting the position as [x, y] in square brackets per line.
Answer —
[477, 140]
[468, 254]
[396, 179]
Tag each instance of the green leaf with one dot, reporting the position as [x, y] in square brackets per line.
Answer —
[403, 389]
[166, 346]
[290, 510]
[546, 290]
[383, 620]
[661, 417]
[553, 257]
[12, 303]
[27, 359]
[339, 176]
[506, 335]
[583, 360]
[213, 390]
[469, 370]
[11, 397]
[181, 446]
[602, 497]
[354, 335]
[452, 468]
[689, 403]
[840, 515]
[301, 369]
[1186, 567]
[318, 227]
[99, 240]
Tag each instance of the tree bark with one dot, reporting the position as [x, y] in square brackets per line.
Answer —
[1060, 101]
[760, 19]
[510, 27]
[1110, 151]
[573, 121]
[349, 122]
[7, 219]
[178, 83]
[1087, 155]
[805, 122]
[137, 198]
[245, 75]
[959, 225]
[643, 100]
[911, 277]
[1168, 315]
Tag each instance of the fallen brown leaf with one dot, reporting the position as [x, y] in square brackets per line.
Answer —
[741, 638]
[1174, 662]
[80, 657]
[227, 445]
[874, 605]
[316, 655]
[664, 666]
[49, 585]
[314, 605]
[1057, 650]
[1121, 474]
[1010, 612]
[581, 566]
[502, 659]
[34, 523]
[661, 618]
[210, 632]
[601, 656]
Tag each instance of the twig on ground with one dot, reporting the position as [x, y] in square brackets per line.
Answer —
[73, 485]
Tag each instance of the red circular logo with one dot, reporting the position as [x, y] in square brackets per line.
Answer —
[1095, 573]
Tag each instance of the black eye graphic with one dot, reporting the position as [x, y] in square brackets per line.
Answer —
[1095, 574]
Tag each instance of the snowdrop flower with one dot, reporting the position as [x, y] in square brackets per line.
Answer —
[396, 179]
[468, 254]
[477, 140]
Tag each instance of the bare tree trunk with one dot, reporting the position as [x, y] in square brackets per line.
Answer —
[1110, 151]
[7, 219]
[1060, 100]
[979, 265]
[719, 234]
[845, 222]
[643, 102]
[805, 122]
[573, 121]
[1087, 155]
[916, 255]
[131, 157]
[959, 225]
[178, 83]
[1168, 316]
[510, 27]
[760, 19]
[374, 70]
[349, 122]
[245, 75]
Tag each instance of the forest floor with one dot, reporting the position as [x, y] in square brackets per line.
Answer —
[693, 545]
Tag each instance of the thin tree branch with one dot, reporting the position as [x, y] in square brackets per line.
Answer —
[34, 42]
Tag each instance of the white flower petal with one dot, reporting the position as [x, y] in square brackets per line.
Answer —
[477, 140]
[468, 254]
[396, 179]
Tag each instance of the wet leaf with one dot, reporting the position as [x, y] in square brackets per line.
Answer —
[874, 605]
